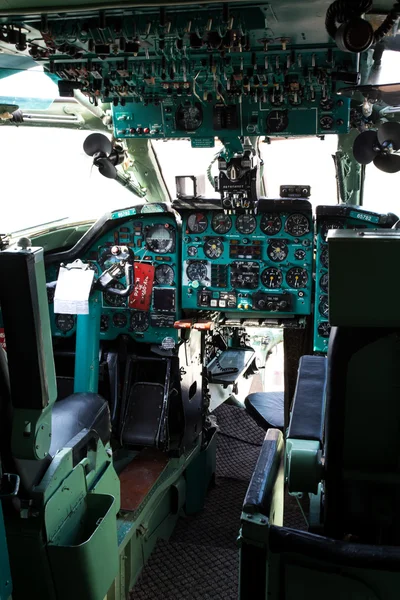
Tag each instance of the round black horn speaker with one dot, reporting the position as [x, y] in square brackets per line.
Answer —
[355, 35]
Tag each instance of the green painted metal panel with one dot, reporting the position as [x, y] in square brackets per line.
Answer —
[84, 554]
[87, 347]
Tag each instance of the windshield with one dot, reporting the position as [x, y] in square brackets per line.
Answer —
[46, 176]
[300, 161]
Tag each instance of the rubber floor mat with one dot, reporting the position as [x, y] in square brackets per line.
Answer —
[201, 561]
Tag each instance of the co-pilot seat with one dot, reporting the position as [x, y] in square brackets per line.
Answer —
[40, 426]
[342, 448]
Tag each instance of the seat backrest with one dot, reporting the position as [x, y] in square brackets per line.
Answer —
[362, 445]
[303, 566]
[7, 461]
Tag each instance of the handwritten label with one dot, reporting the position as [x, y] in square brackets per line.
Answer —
[140, 298]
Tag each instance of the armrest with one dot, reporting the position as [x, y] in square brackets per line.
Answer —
[307, 416]
[259, 493]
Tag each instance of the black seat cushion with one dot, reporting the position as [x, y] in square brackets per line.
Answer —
[267, 409]
[307, 417]
[77, 412]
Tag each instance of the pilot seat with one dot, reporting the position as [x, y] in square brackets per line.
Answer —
[59, 451]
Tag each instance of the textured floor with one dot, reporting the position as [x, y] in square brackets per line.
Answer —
[200, 561]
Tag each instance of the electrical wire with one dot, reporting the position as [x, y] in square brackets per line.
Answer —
[344, 10]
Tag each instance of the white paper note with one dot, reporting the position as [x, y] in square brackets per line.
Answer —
[72, 291]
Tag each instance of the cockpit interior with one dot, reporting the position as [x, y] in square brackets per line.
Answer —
[198, 372]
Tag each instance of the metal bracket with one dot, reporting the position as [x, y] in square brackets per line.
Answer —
[303, 465]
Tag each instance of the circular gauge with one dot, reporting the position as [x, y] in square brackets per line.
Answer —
[107, 260]
[192, 251]
[160, 239]
[189, 117]
[324, 329]
[323, 282]
[300, 254]
[104, 323]
[277, 121]
[113, 299]
[325, 257]
[326, 122]
[221, 223]
[272, 278]
[297, 277]
[297, 225]
[323, 306]
[140, 321]
[197, 223]
[327, 226]
[270, 224]
[164, 275]
[213, 248]
[196, 271]
[277, 251]
[120, 320]
[326, 104]
[65, 322]
[246, 224]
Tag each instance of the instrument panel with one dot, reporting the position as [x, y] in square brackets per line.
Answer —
[249, 263]
[155, 242]
[194, 72]
[327, 218]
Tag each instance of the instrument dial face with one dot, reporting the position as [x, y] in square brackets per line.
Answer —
[277, 251]
[300, 254]
[297, 225]
[65, 322]
[197, 223]
[297, 277]
[323, 306]
[104, 323]
[326, 104]
[192, 251]
[221, 223]
[196, 271]
[325, 257]
[326, 226]
[120, 320]
[270, 224]
[160, 239]
[164, 275]
[272, 278]
[246, 224]
[140, 321]
[213, 248]
[277, 121]
[327, 122]
[323, 282]
[324, 329]
[112, 299]
[189, 117]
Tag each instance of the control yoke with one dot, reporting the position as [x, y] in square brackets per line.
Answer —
[124, 266]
